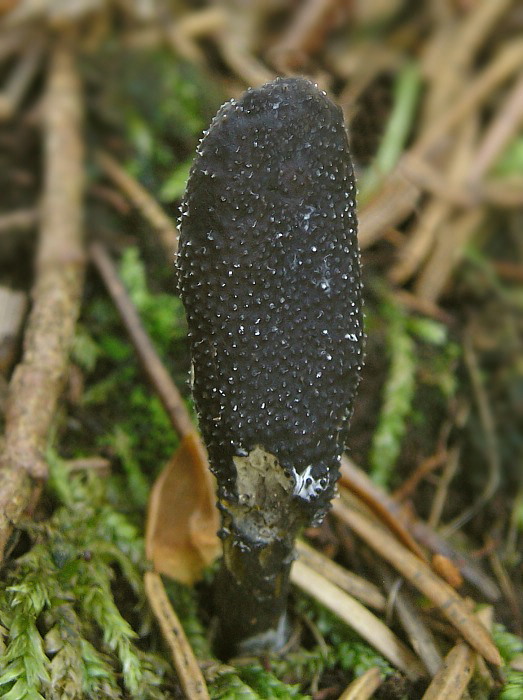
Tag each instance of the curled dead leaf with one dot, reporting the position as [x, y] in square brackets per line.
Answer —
[182, 518]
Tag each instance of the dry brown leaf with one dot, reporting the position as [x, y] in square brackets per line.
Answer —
[182, 519]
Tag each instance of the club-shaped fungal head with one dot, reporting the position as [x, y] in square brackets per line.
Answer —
[269, 274]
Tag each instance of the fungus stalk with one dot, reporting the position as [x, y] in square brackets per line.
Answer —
[269, 275]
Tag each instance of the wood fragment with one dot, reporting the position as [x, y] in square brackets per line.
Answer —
[13, 41]
[38, 379]
[448, 251]
[153, 366]
[185, 663]
[458, 52]
[440, 497]
[492, 455]
[486, 616]
[391, 205]
[363, 687]
[452, 679]
[310, 23]
[431, 222]
[380, 503]
[435, 181]
[20, 80]
[143, 201]
[359, 483]
[422, 578]
[100, 465]
[510, 592]
[360, 588]
[13, 306]
[354, 614]
[181, 34]
[503, 192]
[469, 569]
[502, 66]
[503, 127]
[427, 466]
[419, 635]
[18, 220]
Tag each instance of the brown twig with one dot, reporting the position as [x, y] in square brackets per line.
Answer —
[395, 200]
[364, 686]
[436, 212]
[153, 366]
[448, 250]
[13, 307]
[502, 129]
[427, 466]
[418, 633]
[371, 628]
[356, 586]
[509, 590]
[309, 25]
[20, 80]
[491, 441]
[189, 674]
[38, 379]
[469, 570]
[20, 219]
[381, 504]
[507, 61]
[449, 472]
[454, 675]
[142, 200]
[422, 578]
[459, 44]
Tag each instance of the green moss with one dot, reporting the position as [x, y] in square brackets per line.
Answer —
[345, 648]
[66, 636]
[398, 395]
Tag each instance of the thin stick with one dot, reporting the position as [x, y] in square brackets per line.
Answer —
[359, 483]
[448, 251]
[153, 366]
[422, 578]
[420, 636]
[501, 130]
[507, 61]
[427, 466]
[310, 23]
[20, 80]
[363, 590]
[461, 49]
[189, 674]
[363, 687]
[38, 379]
[389, 207]
[354, 614]
[449, 472]
[20, 219]
[433, 216]
[491, 441]
[454, 675]
[468, 569]
[142, 200]
[433, 180]
[381, 504]
[13, 307]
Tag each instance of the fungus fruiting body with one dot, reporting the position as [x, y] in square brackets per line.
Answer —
[270, 278]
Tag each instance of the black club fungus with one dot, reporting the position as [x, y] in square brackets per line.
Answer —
[269, 275]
